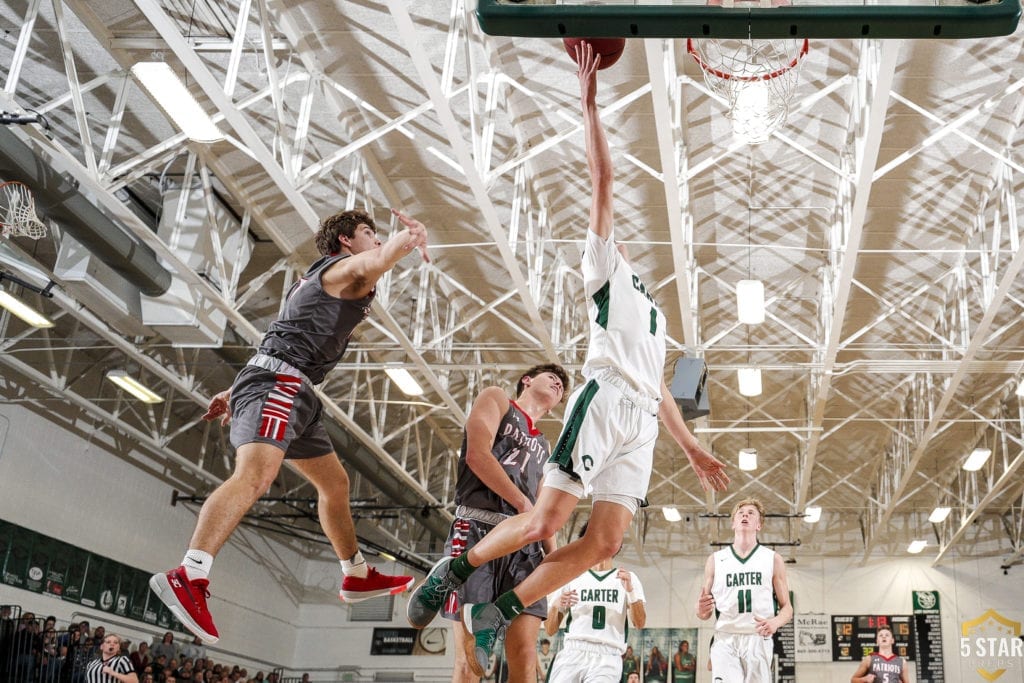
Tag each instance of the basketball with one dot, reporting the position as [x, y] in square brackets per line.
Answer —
[610, 49]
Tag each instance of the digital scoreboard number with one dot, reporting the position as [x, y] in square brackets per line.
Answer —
[853, 636]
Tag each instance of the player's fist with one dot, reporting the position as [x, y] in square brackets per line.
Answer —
[220, 406]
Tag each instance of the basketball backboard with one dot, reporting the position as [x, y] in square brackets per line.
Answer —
[766, 19]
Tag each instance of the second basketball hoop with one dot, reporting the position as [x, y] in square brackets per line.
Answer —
[756, 78]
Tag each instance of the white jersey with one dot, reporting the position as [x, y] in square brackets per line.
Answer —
[743, 588]
[599, 618]
[627, 329]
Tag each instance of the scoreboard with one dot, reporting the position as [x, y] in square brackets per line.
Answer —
[853, 636]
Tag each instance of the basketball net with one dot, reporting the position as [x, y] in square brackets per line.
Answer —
[18, 216]
[755, 77]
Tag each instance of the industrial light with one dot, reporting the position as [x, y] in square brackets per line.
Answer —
[1020, 389]
[750, 381]
[916, 546]
[748, 459]
[671, 513]
[750, 301]
[387, 556]
[24, 311]
[175, 99]
[133, 386]
[977, 458]
[812, 514]
[939, 515]
[405, 381]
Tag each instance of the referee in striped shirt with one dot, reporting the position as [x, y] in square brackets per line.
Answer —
[112, 666]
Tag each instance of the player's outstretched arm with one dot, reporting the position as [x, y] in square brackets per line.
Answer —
[356, 276]
[599, 157]
[709, 469]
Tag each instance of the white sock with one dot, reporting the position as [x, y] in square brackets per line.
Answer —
[197, 564]
[355, 566]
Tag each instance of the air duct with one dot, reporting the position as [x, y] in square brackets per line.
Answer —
[59, 199]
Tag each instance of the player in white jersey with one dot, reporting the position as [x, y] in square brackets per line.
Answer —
[882, 666]
[607, 443]
[601, 604]
[743, 583]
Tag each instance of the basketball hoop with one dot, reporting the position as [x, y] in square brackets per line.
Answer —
[18, 212]
[756, 77]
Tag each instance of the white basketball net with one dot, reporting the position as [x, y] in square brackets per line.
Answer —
[18, 212]
[755, 77]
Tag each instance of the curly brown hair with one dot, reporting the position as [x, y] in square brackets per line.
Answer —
[343, 223]
[557, 370]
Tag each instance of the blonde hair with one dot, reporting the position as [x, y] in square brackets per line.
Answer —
[749, 501]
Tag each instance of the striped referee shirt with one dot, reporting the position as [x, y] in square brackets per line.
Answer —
[120, 664]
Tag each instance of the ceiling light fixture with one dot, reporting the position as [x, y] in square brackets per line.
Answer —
[133, 386]
[750, 301]
[976, 459]
[405, 381]
[671, 513]
[175, 99]
[750, 381]
[916, 546]
[22, 310]
[939, 515]
[748, 459]
[1020, 388]
[812, 514]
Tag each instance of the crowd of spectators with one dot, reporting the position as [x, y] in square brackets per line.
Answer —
[38, 651]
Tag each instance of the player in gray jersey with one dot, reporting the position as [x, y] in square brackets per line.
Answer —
[277, 415]
[606, 449]
[882, 666]
[499, 474]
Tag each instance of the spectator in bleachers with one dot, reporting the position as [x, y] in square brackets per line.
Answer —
[159, 664]
[140, 657]
[50, 657]
[111, 666]
[77, 655]
[24, 648]
[166, 647]
[7, 627]
[196, 649]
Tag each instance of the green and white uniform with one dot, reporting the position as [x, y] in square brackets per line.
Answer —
[596, 629]
[742, 589]
[607, 441]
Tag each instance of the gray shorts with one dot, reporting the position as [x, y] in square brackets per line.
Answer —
[493, 578]
[280, 410]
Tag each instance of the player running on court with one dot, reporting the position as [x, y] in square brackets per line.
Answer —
[601, 604]
[607, 443]
[743, 582]
[882, 666]
[277, 414]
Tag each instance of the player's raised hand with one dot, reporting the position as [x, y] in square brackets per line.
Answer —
[417, 231]
[626, 578]
[220, 406]
[709, 469]
[588, 62]
[567, 599]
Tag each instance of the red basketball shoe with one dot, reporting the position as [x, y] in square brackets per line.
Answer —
[356, 589]
[187, 601]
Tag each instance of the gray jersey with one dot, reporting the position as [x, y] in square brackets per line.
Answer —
[886, 669]
[313, 330]
[522, 451]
